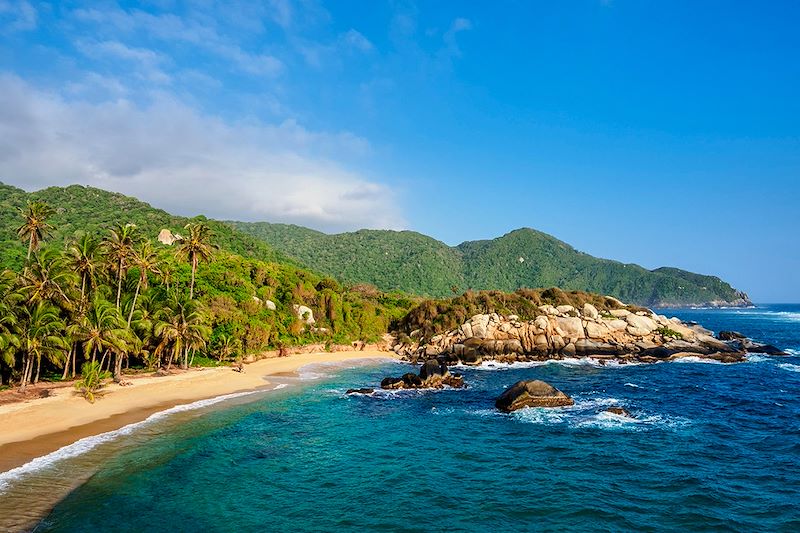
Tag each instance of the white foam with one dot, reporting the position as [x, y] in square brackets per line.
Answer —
[752, 358]
[87, 444]
[633, 385]
[790, 367]
[695, 359]
[792, 351]
[567, 361]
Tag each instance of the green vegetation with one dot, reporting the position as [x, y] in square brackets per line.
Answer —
[417, 264]
[432, 317]
[102, 290]
[664, 331]
[92, 380]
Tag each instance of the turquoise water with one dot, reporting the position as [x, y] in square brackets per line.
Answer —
[714, 447]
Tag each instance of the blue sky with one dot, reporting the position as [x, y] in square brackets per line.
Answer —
[658, 133]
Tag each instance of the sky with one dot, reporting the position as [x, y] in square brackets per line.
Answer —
[659, 133]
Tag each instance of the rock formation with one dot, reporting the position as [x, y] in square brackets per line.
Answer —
[432, 375]
[533, 393]
[625, 334]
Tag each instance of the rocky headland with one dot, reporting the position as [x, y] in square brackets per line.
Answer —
[615, 332]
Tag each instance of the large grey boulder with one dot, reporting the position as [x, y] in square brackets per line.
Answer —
[531, 393]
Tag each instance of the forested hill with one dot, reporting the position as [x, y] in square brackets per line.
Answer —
[418, 264]
[88, 210]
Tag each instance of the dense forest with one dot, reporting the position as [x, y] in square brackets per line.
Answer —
[87, 285]
[524, 258]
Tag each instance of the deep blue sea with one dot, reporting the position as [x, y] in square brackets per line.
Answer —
[714, 447]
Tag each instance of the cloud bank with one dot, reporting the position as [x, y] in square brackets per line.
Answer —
[188, 162]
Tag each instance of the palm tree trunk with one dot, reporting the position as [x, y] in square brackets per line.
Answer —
[194, 269]
[119, 282]
[23, 380]
[118, 367]
[103, 359]
[133, 305]
[67, 362]
[30, 246]
[38, 369]
[74, 358]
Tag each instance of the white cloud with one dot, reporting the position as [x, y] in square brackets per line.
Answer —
[357, 41]
[460, 24]
[187, 162]
[17, 15]
[171, 28]
[146, 60]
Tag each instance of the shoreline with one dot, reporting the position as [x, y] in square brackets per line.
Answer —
[37, 427]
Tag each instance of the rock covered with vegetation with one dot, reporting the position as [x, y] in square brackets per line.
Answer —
[550, 324]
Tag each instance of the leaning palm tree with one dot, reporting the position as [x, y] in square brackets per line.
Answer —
[180, 327]
[146, 260]
[118, 247]
[196, 247]
[40, 335]
[101, 332]
[35, 228]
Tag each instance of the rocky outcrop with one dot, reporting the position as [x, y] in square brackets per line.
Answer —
[360, 391]
[432, 375]
[626, 334]
[533, 393]
[304, 313]
[744, 344]
[619, 411]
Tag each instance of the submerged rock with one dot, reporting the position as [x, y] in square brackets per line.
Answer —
[619, 411]
[432, 375]
[360, 391]
[531, 393]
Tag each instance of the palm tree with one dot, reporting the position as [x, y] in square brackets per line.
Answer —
[226, 346]
[101, 331]
[48, 278]
[118, 247]
[39, 333]
[180, 327]
[146, 260]
[35, 228]
[9, 307]
[82, 259]
[195, 248]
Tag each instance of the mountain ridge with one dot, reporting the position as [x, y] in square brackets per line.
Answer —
[522, 258]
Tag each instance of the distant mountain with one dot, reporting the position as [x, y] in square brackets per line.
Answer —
[415, 263]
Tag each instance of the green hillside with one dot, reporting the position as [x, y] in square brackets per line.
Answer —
[418, 264]
[242, 302]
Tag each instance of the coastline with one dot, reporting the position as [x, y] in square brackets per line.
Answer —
[34, 428]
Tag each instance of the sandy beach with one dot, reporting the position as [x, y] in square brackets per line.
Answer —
[36, 427]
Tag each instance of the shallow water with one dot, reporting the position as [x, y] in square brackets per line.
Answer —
[713, 447]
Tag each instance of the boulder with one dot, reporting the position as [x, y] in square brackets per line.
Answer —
[616, 325]
[730, 336]
[564, 309]
[269, 304]
[620, 313]
[640, 325]
[590, 311]
[304, 313]
[619, 411]
[532, 393]
[597, 331]
[431, 368]
[590, 347]
[360, 391]
[571, 327]
[766, 349]
[392, 383]
[412, 381]
[165, 236]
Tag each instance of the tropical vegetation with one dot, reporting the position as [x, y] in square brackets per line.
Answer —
[524, 258]
[112, 298]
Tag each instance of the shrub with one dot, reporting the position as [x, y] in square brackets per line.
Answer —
[92, 380]
[667, 332]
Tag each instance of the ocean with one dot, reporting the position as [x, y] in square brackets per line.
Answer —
[713, 447]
